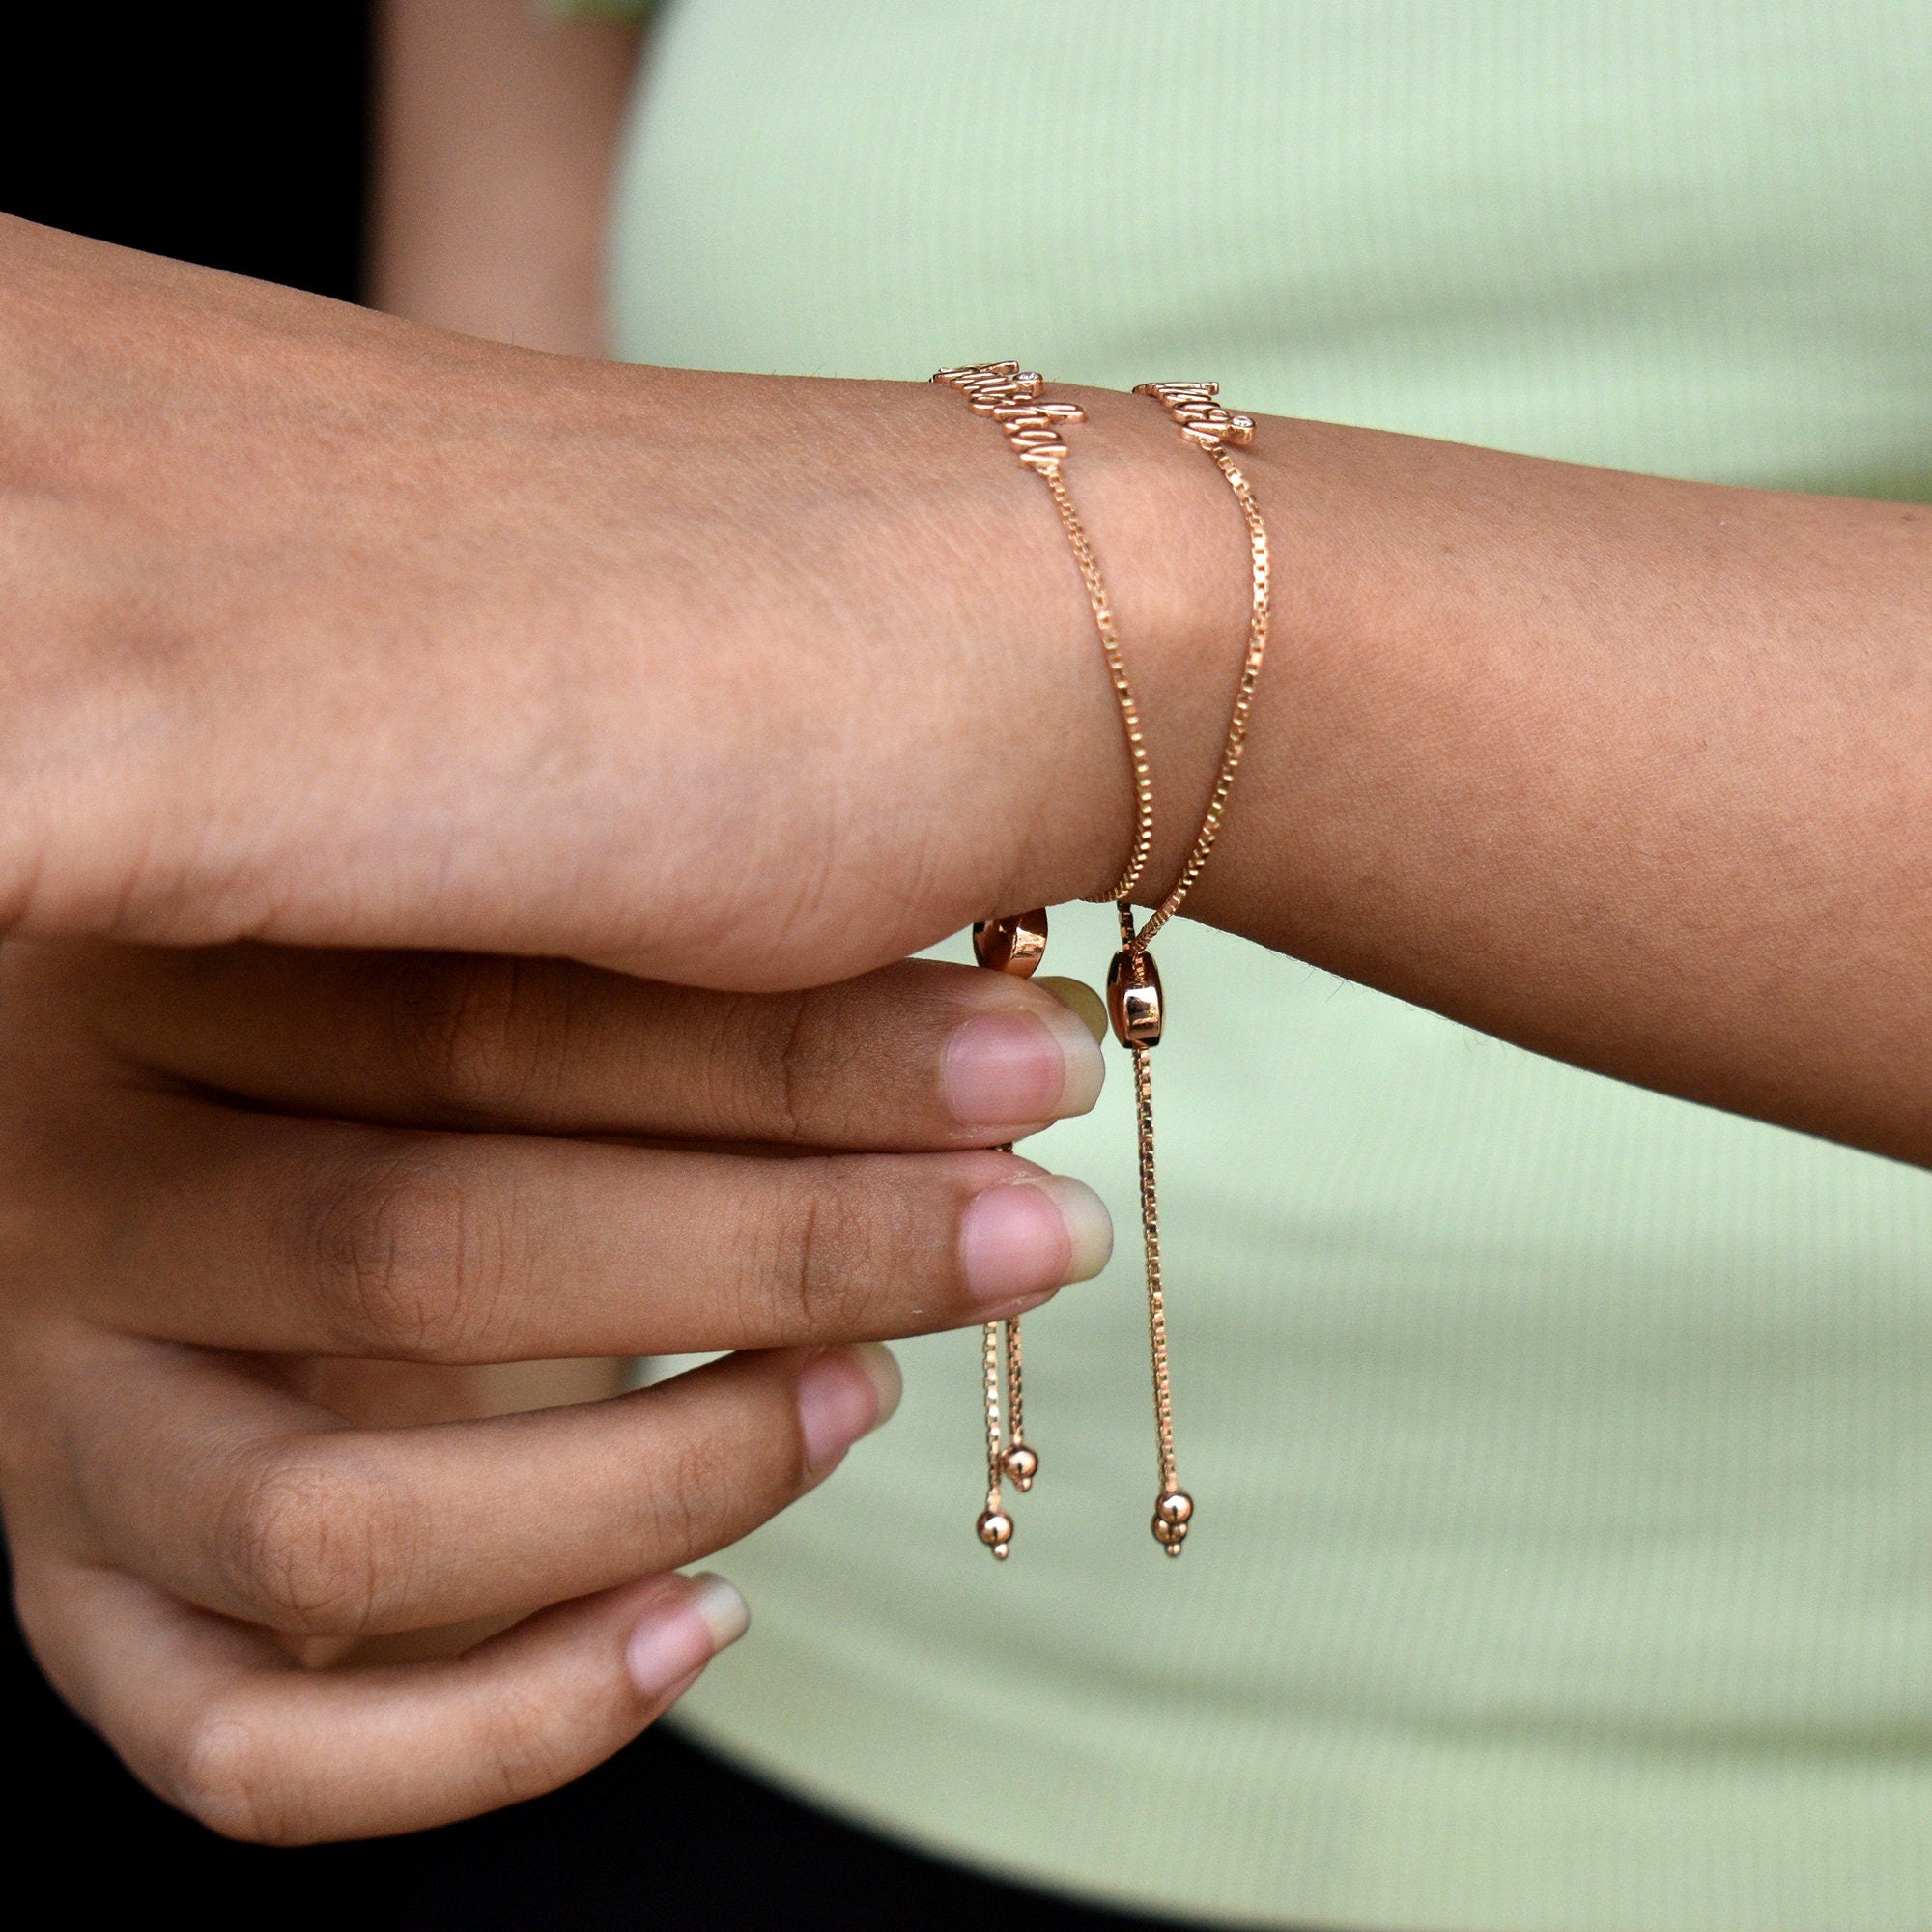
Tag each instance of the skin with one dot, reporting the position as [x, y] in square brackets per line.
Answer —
[265, 1208]
[1619, 767]
[495, 136]
[330, 629]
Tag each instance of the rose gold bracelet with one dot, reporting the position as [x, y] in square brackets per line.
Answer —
[1017, 943]
[1206, 424]
[1010, 396]
[1134, 1001]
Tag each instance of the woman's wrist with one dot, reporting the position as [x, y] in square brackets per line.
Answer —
[351, 633]
[334, 630]
[1173, 553]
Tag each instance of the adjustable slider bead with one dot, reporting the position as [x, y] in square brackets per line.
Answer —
[1020, 1465]
[996, 1531]
[1133, 998]
[1014, 944]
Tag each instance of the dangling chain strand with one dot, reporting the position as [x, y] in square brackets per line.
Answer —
[1014, 945]
[1016, 1392]
[1157, 1298]
[996, 1526]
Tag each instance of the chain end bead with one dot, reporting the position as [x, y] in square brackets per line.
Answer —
[996, 1532]
[1173, 1511]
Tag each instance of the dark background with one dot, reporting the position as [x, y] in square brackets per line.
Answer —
[237, 139]
[234, 137]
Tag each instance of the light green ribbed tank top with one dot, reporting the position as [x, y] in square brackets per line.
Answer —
[1564, 1452]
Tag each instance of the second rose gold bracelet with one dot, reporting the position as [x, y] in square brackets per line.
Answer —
[1016, 943]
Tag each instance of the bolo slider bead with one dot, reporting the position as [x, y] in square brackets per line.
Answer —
[1171, 1512]
[996, 1532]
[1021, 1464]
[1014, 944]
[1134, 998]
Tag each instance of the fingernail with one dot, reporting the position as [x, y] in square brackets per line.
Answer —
[1081, 1001]
[1010, 1068]
[843, 1395]
[1029, 1237]
[676, 1638]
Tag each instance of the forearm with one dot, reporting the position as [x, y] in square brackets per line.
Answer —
[497, 134]
[331, 631]
[1627, 770]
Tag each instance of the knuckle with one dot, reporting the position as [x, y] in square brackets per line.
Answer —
[229, 1773]
[755, 1067]
[842, 1241]
[408, 1255]
[482, 1035]
[524, 1750]
[689, 1496]
[851, 1063]
[793, 1083]
[725, 1468]
[312, 1546]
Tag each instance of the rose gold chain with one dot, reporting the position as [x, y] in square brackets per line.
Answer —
[1010, 396]
[1203, 421]
[1156, 1296]
[989, 1351]
[1016, 1387]
[1133, 984]
[1014, 945]
[1002, 391]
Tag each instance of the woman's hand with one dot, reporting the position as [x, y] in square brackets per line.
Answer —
[265, 1213]
[328, 628]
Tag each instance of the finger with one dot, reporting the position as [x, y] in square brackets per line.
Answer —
[219, 1721]
[918, 1055]
[243, 1498]
[296, 1236]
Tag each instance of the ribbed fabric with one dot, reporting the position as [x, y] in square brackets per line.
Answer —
[1564, 1556]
